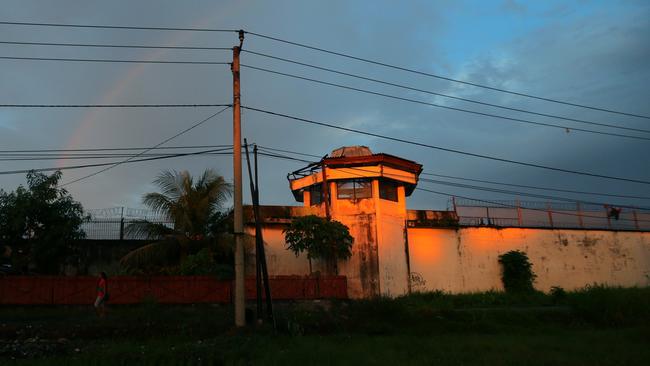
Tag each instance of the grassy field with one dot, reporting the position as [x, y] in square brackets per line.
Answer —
[596, 326]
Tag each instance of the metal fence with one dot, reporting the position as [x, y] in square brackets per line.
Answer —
[551, 215]
[113, 223]
[115, 229]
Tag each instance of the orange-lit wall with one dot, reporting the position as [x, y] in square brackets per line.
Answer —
[391, 218]
[279, 260]
[466, 259]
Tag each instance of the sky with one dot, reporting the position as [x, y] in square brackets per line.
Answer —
[586, 52]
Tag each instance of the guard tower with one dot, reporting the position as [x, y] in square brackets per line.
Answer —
[366, 192]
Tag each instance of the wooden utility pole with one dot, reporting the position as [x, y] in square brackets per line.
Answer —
[239, 299]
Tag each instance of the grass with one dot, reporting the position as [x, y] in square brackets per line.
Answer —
[593, 326]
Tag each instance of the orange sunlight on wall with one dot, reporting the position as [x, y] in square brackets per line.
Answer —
[424, 249]
[489, 239]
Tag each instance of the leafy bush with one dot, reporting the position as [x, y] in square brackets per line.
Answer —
[517, 275]
[558, 294]
[203, 263]
[320, 238]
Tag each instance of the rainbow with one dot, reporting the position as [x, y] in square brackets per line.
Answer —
[122, 83]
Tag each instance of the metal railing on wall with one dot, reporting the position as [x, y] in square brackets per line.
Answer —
[566, 215]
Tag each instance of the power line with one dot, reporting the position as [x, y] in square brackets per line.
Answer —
[115, 61]
[496, 191]
[116, 149]
[98, 45]
[518, 193]
[446, 78]
[456, 151]
[78, 156]
[537, 187]
[160, 157]
[443, 95]
[146, 150]
[503, 191]
[284, 157]
[112, 105]
[289, 151]
[118, 27]
[485, 181]
[519, 120]
[22, 171]
[527, 208]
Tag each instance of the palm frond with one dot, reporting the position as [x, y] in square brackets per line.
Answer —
[170, 183]
[159, 203]
[160, 253]
[147, 229]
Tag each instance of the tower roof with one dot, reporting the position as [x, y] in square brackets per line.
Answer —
[350, 151]
[350, 162]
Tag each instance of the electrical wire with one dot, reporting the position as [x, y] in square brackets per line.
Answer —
[485, 181]
[115, 149]
[422, 73]
[144, 151]
[441, 94]
[117, 27]
[112, 105]
[451, 150]
[22, 171]
[115, 61]
[519, 120]
[75, 156]
[98, 45]
[519, 193]
[506, 205]
[538, 187]
[506, 192]
[501, 204]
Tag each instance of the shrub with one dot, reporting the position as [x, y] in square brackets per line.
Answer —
[517, 274]
[203, 263]
[558, 294]
[320, 238]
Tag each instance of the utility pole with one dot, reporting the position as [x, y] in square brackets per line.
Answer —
[239, 300]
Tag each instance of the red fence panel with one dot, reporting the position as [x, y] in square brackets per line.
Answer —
[190, 289]
[301, 288]
[335, 287]
[74, 290]
[128, 289]
[46, 290]
[25, 290]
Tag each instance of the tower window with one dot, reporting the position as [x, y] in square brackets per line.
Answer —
[388, 190]
[315, 194]
[354, 189]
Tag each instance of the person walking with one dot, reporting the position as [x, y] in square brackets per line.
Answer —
[102, 295]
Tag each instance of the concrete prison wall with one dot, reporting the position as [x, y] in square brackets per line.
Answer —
[466, 259]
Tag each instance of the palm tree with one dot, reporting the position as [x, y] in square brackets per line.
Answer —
[193, 206]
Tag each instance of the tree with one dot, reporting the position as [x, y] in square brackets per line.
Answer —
[320, 238]
[43, 221]
[194, 206]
